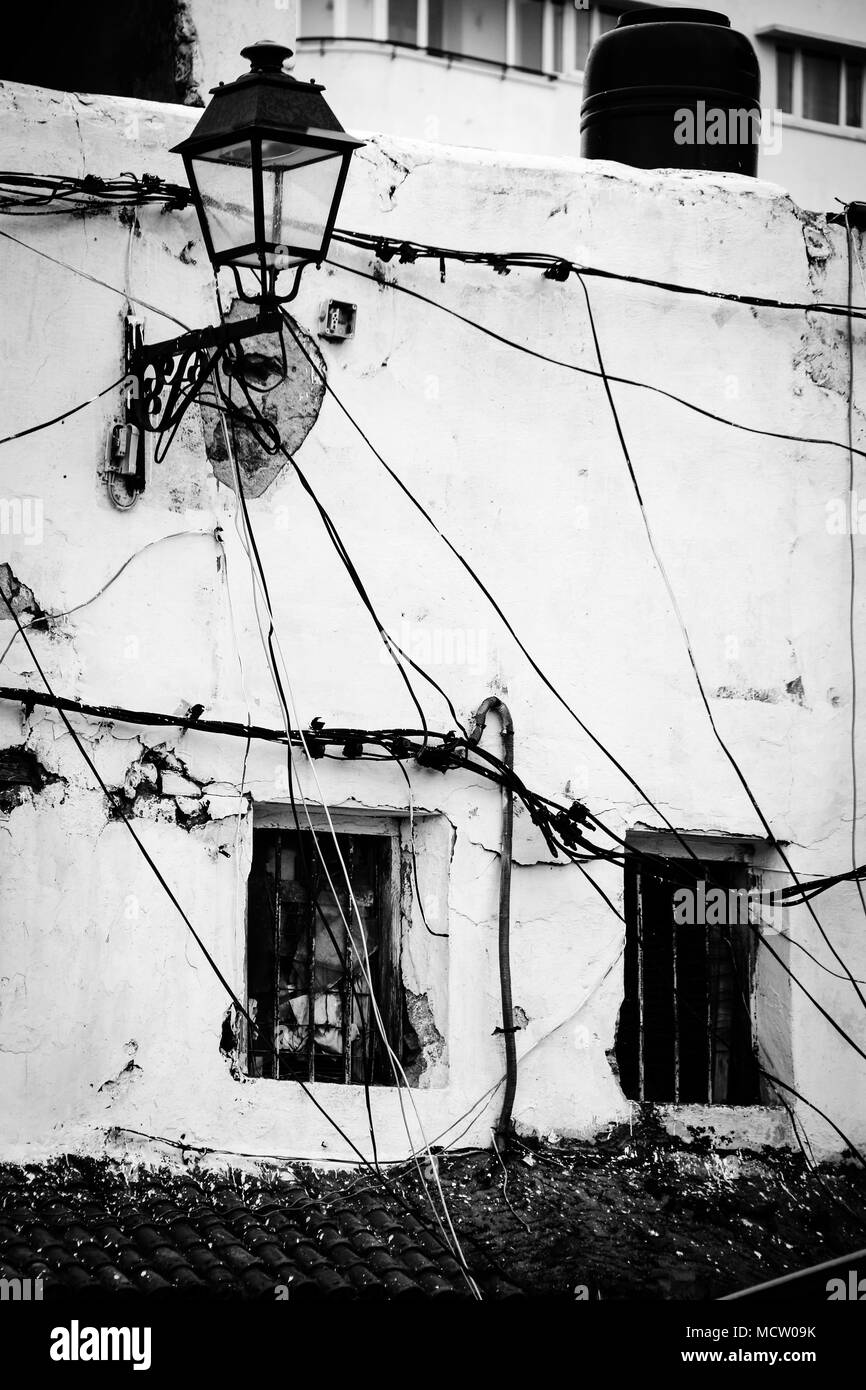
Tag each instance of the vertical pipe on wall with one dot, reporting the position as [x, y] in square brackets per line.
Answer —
[492, 704]
[676, 1010]
[641, 1088]
[710, 1034]
[278, 933]
[311, 974]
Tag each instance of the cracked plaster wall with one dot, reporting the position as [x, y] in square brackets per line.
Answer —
[519, 462]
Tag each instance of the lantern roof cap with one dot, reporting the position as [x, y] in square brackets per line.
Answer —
[265, 97]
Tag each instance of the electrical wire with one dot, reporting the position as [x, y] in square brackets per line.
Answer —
[249, 546]
[94, 280]
[490, 598]
[65, 415]
[586, 371]
[364, 963]
[43, 618]
[555, 267]
[776, 304]
[852, 560]
[25, 193]
[392, 473]
[121, 812]
[415, 884]
[693, 662]
[638, 494]
[339, 737]
[239, 887]
[601, 373]
[34, 194]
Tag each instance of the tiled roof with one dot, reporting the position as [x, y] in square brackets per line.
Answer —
[211, 1237]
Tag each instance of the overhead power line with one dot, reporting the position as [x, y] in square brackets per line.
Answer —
[554, 267]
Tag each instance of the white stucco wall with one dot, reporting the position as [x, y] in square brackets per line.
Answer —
[519, 462]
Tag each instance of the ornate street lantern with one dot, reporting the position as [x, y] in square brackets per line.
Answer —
[267, 164]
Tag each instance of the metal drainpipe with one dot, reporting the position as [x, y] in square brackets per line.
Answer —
[496, 706]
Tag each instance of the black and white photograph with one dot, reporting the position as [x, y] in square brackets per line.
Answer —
[432, 685]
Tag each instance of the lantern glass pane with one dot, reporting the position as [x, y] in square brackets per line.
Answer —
[225, 185]
[299, 185]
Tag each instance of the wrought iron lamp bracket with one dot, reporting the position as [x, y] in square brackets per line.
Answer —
[165, 378]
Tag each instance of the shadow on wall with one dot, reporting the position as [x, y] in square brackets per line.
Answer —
[142, 48]
[284, 388]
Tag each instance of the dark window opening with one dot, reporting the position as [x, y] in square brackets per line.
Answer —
[126, 50]
[307, 993]
[821, 87]
[474, 28]
[583, 38]
[530, 22]
[785, 79]
[685, 1026]
[854, 94]
[558, 38]
[403, 21]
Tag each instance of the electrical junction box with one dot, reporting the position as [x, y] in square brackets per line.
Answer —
[123, 449]
[337, 320]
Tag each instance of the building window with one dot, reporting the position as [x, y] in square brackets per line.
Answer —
[785, 79]
[685, 1031]
[403, 21]
[529, 15]
[820, 86]
[474, 28]
[305, 986]
[558, 38]
[360, 19]
[545, 36]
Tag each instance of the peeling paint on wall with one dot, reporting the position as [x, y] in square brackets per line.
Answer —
[20, 772]
[424, 1043]
[292, 406]
[21, 597]
[159, 786]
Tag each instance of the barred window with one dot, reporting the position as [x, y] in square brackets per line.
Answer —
[306, 987]
[685, 1030]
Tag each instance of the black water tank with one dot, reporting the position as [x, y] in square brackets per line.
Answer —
[657, 64]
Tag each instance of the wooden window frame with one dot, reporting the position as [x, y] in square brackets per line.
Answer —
[845, 58]
[386, 971]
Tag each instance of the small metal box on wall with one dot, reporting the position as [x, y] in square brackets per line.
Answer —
[337, 320]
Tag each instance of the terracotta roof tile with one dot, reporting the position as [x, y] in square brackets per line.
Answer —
[180, 1236]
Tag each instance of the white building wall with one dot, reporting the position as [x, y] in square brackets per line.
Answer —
[109, 1016]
